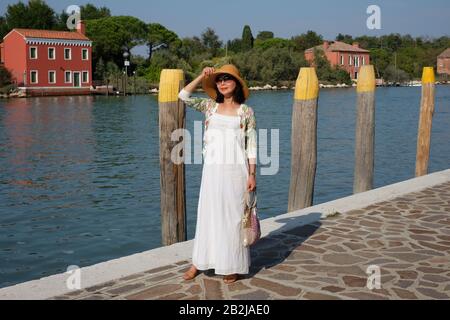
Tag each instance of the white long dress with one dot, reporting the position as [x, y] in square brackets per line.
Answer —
[218, 239]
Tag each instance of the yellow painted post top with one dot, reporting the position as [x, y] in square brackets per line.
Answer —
[169, 85]
[307, 85]
[428, 75]
[366, 79]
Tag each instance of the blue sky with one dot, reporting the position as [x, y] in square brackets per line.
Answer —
[285, 18]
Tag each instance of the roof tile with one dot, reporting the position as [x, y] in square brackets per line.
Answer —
[340, 46]
[51, 34]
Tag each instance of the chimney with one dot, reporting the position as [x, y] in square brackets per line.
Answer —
[326, 45]
[81, 27]
[356, 44]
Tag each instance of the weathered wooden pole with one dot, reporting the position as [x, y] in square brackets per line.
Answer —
[172, 175]
[425, 122]
[365, 130]
[304, 140]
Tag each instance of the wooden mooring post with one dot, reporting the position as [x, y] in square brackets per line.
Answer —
[172, 177]
[304, 140]
[425, 122]
[365, 130]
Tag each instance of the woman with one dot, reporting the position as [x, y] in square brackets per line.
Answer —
[229, 171]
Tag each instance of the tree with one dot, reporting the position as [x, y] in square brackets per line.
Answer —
[191, 47]
[100, 70]
[326, 72]
[3, 27]
[235, 45]
[211, 41]
[157, 35]
[265, 35]
[307, 40]
[91, 12]
[5, 77]
[113, 35]
[61, 21]
[247, 39]
[35, 15]
[395, 75]
[344, 38]
[274, 43]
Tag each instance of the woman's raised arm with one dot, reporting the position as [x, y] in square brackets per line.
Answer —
[199, 104]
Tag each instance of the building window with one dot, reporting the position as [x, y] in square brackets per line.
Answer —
[68, 77]
[85, 54]
[52, 77]
[34, 77]
[342, 60]
[67, 54]
[363, 61]
[51, 54]
[85, 77]
[356, 61]
[33, 53]
[350, 60]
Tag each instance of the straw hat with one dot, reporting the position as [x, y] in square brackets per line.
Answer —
[209, 83]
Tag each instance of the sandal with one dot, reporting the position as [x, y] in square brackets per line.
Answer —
[190, 274]
[231, 278]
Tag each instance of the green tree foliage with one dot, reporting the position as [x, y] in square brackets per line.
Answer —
[235, 45]
[307, 40]
[211, 41]
[91, 12]
[114, 35]
[192, 47]
[396, 75]
[157, 35]
[3, 27]
[270, 66]
[264, 59]
[247, 39]
[274, 43]
[34, 15]
[265, 35]
[61, 21]
[5, 77]
[344, 38]
[326, 72]
[100, 70]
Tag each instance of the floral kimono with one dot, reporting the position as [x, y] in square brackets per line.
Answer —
[246, 114]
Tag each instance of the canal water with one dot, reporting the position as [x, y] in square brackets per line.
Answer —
[79, 179]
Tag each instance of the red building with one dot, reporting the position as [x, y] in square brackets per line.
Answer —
[443, 62]
[46, 62]
[348, 57]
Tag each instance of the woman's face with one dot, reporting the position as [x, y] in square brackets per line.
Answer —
[225, 84]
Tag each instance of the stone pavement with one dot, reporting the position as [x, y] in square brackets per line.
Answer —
[408, 238]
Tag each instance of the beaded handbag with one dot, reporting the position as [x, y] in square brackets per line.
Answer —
[251, 229]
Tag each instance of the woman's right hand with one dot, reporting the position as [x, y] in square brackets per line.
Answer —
[207, 72]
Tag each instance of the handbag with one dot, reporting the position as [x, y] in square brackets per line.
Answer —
[251, 228]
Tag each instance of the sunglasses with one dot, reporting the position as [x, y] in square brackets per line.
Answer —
[224, 77]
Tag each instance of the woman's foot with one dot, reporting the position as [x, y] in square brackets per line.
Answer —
[191, 273]
[230, 278]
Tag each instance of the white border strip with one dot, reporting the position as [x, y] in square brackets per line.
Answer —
[115, 269]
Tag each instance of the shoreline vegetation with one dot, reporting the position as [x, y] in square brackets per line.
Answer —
[264, 60]
[267, 87]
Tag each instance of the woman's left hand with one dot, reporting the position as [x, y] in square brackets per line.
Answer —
[251, 183]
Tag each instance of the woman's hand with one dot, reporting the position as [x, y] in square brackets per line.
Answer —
[251, 183]
[207, 72]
